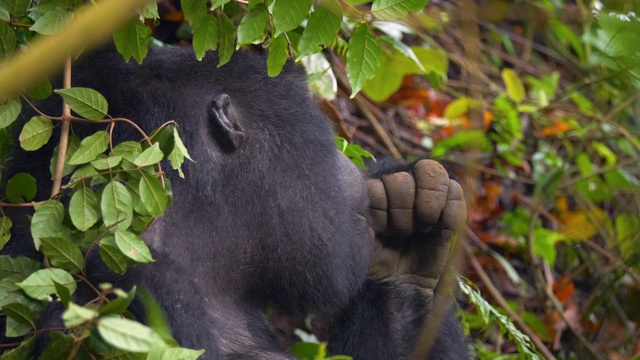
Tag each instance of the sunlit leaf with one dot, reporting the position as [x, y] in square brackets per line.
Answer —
[277, 56]
[62, 254]
[390, 10]
[116, 205]
[9, 110]
[51, 21]
[515, 89]
[253, 24]
[287, 15]
[86, 102]
[363, 58]
[39, 285]
[152, 194]
[128, 334]
[5, 232]
[132, 246]
[132, 40]
[227, 39]
[35, 133]
[321, 29]
[205, 36]
[90, 148]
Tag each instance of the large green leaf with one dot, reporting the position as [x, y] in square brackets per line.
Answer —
[128, 334]
[116, 205]
[227, 39]
[253, 24]
[47, 220]
[19, 265]
[62, 254]
[150, 156]
[9, 110]
[152, 194]
[194, 11]
[321, 29]
[205, 36]
[132, 246]
[35, 133]
[90, 148]
[19, 319]
[363, 58]
[21, 188]
[390, 10]
[132, 40]
[7, 42]
[17, 7]
[277, 56]
[150, 10]
[83, 207]
[41, 283]
[86, 102]
[287, 14]
[51, 21]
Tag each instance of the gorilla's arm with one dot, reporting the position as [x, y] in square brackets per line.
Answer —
[414, 211]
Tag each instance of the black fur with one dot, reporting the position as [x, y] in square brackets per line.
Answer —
[269, 215]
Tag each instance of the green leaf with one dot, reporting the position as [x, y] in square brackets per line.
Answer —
[567, 36]
[7, 44]
[152, 195]
[86, 102]
[21, 188]
[39, 285]
[107, 162]
[51, 22]
[47, 220]
[320, 78]
[194, 11]
[287, 14]
[77, 315]
[90, 148]
[404, 50]
[9, 111]
[4, 15]
[17, 7]
[515, 89]
[465, 139]
[205, 36]
[35, 133]
[57, 349]
[174, 353]
[41, 90]
[5, 233]
[116, 205]
[72, 146]
[390, 10]
[63, 294]
[178, 153]
[120, 304]
[132, 246]
[277, 56]
[21, 314]
[112, 256]
[321, 29]
[456, 108]
[150, 156]
[253, 24]
[150, 10]
[128, 335]
[62, 253]
[132, 40]
[385, 83]
[363, 58]
[544, 241]
[19, 265]
[227, 39]
[127, 147]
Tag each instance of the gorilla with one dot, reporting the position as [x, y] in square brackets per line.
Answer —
[270, 215]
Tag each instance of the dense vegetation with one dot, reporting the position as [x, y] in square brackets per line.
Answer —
[534, 102]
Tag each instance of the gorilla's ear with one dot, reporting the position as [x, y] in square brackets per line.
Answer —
[225, 123]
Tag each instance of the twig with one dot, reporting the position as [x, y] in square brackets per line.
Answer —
[64, 133]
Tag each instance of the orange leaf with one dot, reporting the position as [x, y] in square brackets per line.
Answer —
[558, 127]
[582, 225]
[564, 289]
